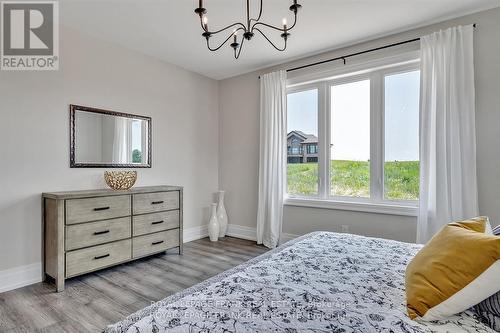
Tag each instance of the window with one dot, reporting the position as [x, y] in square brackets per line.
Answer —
[302, 170]
[137, 143]
[369, 124]
[312, 149]
[350, 139]
[401, 163]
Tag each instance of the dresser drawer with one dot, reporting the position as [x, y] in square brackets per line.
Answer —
[149, 223]
[155, 202]
[148, 244]
[97, 257]
[94, 233]
[93, 209]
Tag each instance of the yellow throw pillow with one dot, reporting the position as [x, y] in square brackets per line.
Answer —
[458, 268]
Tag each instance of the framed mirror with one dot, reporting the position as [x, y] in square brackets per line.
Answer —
[108, 139]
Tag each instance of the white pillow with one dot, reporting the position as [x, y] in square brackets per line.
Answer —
[496, 230]
[489, 229]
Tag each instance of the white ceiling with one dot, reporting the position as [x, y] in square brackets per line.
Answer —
[169, 29]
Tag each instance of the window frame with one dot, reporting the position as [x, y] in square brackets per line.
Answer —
[376, 203]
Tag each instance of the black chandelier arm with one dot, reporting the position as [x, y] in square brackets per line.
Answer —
[239, 49]
[224, 42]
[273, 27]
[242, 26]
[270, 42]
[218, 47]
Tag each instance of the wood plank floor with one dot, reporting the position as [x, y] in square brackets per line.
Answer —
[93, 301]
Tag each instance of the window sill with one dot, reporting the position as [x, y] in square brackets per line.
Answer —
[366, 207]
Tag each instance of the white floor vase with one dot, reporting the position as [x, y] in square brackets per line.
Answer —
[213, 225]
[222, 215]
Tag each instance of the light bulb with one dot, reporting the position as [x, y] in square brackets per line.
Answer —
[205, 20]
[284, 21]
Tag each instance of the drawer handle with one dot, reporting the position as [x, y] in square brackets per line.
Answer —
[101, 232]
[157, 202]
[156, 243]
[157, 222]
[100, 209]
[101, 257]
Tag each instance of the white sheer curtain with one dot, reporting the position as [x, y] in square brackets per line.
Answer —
[272, 161]
[448, 185]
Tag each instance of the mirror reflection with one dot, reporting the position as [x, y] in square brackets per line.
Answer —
[102, 139]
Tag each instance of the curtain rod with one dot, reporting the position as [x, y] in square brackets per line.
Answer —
[356, 54]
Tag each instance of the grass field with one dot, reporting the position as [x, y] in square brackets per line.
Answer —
[352, 178]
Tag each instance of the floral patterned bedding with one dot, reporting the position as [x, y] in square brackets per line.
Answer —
[320, 282]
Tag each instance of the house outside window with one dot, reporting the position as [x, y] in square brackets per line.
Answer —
[302, 147]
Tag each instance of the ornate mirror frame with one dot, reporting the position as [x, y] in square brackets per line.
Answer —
[72, 154]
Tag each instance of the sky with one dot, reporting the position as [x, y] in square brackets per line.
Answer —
[350, 118]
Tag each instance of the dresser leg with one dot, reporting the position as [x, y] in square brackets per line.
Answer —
[59, 285]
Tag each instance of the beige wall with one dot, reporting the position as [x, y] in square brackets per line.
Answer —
[34, 135]
[239, 137]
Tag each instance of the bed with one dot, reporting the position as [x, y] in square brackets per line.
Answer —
[320, 282]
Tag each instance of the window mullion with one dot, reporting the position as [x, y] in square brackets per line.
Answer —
[323, 139]
[376, 137]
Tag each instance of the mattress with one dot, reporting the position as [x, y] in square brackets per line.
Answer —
[320, 282]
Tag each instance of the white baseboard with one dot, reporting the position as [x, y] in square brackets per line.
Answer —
[194, 233]
[242, 232]
[233, 230]
[21, 276]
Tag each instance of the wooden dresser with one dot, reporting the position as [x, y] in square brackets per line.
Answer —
[85, 231]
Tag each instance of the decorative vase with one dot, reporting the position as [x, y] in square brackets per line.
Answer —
[120, 180]
[213, 225]
[222, 215]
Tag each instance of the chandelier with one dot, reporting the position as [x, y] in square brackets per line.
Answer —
[249, 29]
